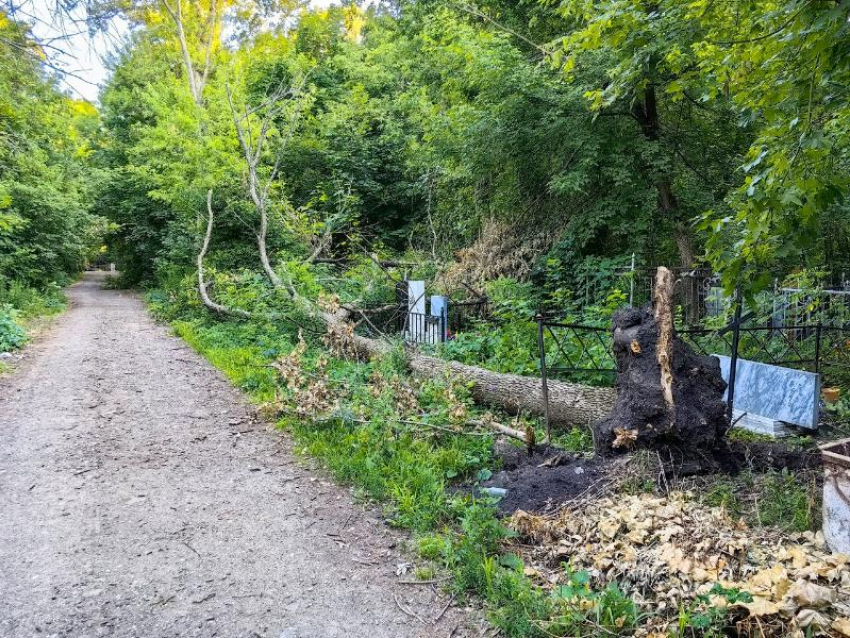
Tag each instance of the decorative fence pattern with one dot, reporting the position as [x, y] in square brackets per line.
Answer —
[818, 347]
[406, 318]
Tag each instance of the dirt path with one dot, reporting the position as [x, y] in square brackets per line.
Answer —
[138, 498]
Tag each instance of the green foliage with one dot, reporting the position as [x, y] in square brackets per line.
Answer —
[509, 343]
[46, 139]
[576, 439]
[12, 334]
[579, 610]
[705, 618]
[756, 83]
[723, 494]
[19, 304]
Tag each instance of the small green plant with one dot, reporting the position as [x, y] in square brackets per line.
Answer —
[580, 610]
[12, 334]
[431, 546]
[424, 573]
[722, 494]
[707, 616]
[577, 439]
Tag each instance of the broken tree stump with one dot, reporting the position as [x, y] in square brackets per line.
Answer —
[668, 397]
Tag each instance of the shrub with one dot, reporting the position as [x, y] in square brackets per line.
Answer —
[12, 334]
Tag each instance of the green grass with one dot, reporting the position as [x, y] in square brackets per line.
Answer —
[788, 502]
[783, 499]
[576, 439]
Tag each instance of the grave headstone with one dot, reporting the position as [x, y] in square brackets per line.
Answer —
[439, 323]
[774, 392]
[416, 318]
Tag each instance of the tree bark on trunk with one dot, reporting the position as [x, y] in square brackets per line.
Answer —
[646, 114]
[569, 403]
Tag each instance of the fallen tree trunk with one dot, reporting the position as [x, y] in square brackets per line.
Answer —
[569, 403]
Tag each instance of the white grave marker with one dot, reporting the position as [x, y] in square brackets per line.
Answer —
[416, 328]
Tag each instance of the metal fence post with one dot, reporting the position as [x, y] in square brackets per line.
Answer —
[818, 333]
[542, 347]
[733, 360]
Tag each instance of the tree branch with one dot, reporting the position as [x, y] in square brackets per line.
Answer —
[202, 284]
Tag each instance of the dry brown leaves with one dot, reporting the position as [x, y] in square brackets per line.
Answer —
[310, 392]
[328, 302]
[339, 339]
[499, 251]
[668, 550]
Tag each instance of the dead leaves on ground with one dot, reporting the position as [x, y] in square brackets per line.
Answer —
[311, 392]
[668, 551]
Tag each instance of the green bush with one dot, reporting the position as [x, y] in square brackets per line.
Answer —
[12, 334]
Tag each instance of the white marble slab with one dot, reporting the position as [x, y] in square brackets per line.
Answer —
[774, 392]
[417, 325]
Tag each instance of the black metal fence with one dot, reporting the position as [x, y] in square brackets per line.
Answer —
[423, 328]
[464, 315]
[575, 348]
[382, 319]
[584, 352]
[815, 347]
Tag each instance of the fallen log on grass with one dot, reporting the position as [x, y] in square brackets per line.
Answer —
[569, 403]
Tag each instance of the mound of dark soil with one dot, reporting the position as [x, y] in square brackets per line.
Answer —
[542, 481]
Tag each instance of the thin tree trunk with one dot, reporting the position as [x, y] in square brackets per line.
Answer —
[264, 255]
[202, 284]
[646, 114]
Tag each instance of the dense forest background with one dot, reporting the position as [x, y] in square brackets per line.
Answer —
[521, 139]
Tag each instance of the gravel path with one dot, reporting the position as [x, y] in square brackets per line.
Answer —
[138, 497]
